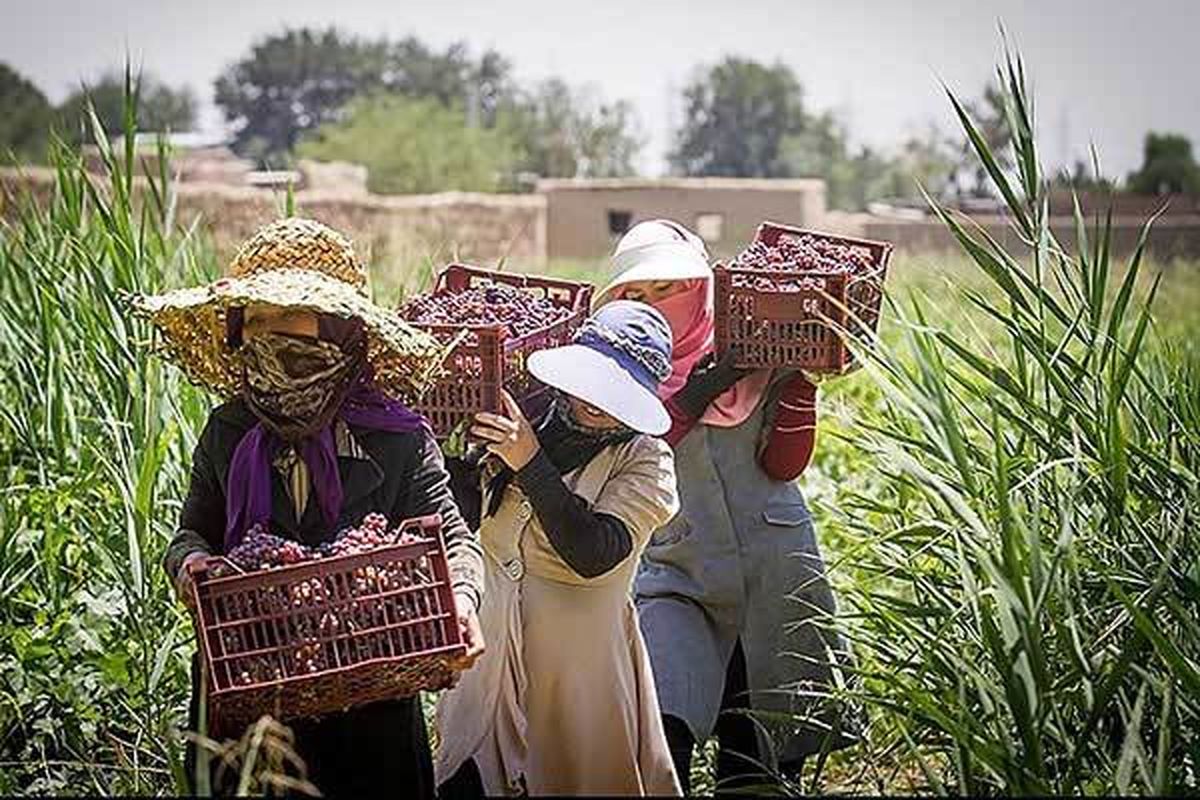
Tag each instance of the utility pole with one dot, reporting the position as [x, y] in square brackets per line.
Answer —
[1066, 157]
[473, 103]
[672, 120]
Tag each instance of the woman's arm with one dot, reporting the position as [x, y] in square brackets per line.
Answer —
[642, 491]
[465, 485]
[590, 543]
[429, 493]
[792, 437]
[202, 521]
[709, 379]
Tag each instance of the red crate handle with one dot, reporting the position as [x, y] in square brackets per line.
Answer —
[849, 296]
[457, 277]
[769, 233]
[497, 358]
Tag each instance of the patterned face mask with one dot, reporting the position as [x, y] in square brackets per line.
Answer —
[295, 385]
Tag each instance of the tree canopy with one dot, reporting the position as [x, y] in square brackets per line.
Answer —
[160, 108]
[293, 82]
[567, 132]
[26, 119]
[738, 114]
[413, 145]
[1167, 166]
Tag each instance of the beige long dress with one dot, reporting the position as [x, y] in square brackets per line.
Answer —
[563, 700]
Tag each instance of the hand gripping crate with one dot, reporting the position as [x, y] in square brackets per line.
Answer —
[792, 317]
[322, 636]
[489, 358]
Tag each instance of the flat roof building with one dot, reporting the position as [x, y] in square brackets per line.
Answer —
[586, 217]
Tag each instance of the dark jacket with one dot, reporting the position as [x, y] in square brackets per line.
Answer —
[377, 745]
[404, 476]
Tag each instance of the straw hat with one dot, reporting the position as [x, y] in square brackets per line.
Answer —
[656, 250]
[294, 263]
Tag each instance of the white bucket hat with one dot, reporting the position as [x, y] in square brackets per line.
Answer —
[656, 250]
[615, 362]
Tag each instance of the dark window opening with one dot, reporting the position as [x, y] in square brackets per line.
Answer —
[619, 222]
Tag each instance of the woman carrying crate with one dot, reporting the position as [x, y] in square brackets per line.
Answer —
[731, 594]
[310, 445]
[563, 701]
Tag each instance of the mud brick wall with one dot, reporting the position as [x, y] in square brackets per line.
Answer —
[1170, 237]
[392, 232]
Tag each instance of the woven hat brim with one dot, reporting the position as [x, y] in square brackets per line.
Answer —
[191, 327]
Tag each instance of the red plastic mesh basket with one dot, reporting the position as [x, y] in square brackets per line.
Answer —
[488, 358]
[775, 318]
[326, 635]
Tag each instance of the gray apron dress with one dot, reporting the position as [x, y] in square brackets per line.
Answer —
[740, 561]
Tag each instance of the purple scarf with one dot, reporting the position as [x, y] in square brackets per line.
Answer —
[248, 487]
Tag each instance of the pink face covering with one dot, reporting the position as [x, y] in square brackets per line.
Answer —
[690, 315]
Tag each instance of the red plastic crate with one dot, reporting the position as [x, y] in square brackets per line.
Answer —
[322, 636]
[488, 358]
[774, 318]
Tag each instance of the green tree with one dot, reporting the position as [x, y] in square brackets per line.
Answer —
[854, 178]
[1167, 166]
[413, 145]
[293, 82]
[26, 119]
[738, 114]
[1082, 177]
[925, 161]
[566, 132]
[969, 177]
[160, 107]
[819, 150]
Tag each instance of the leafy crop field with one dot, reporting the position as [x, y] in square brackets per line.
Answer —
[1007, 495]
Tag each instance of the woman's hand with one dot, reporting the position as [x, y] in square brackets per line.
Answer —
[813, 378]
[709, 379]
[510, 437]
[184, 580]
[472, 634]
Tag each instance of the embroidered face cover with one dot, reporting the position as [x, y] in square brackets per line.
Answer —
[295, 385]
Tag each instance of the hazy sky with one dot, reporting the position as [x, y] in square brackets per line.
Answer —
[1103, 71]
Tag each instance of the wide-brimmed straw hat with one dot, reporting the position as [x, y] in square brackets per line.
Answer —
[292, 263]
[615, 362]
[656, 250]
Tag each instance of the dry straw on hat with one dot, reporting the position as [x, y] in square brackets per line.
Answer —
[292, 263]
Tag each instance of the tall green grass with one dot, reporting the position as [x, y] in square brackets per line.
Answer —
[95, 436]
[1018, 565]
[1007, 495]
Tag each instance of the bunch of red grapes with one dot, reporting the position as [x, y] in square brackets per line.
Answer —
[262, 550]
[494, 304]
[323, 621]
[806, 253]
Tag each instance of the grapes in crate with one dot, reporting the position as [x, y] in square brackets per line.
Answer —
[321, 611]
[262, 550]
[805, 253]
[495, 304]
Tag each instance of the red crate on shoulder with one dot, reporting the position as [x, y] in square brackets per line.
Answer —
[489, 358]
[776, 317]
[326, 635]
